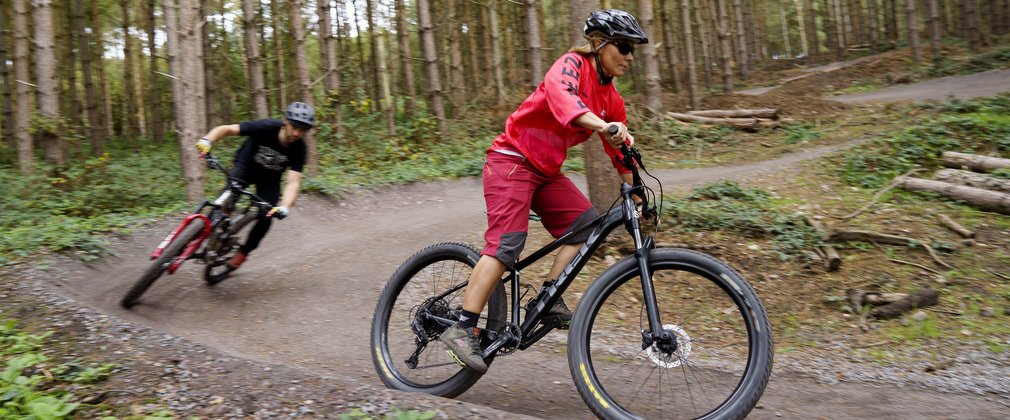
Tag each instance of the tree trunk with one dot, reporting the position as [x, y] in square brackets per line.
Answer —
[784, 23]
[72, 107]
[383, 75]
[130, 128]
[701, 30]
[692, 75]
[257, 84]
[670, 47]
[373, 62]
[802, 30]
[972, 29]
[431, 63]
[810, 26]
[726, 57]
[473, 44]
[874, 25]
[22, 79]
[304, 82]
[972, 162]
[280, 76]
[913, 31]
[978, 197]
[407, 59]
[47, 84]
[189, 88]
[934, 28]
[653, 91]
[533, 40]
[830, 29]
[153, 92]
[742, 58]
[891, 19]
[7, 129]
[496, 55]
[973, 179]
[457, 80]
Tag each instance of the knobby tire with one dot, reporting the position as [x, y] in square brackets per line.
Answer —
[410, 291]
[161, 263]
[724, 356]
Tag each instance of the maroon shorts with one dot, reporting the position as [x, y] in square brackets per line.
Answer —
[513, 187]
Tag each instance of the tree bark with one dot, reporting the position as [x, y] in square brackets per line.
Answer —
[810, 17]
[7, 128]
[784, 26]
[653, 90]
[533, 41]
[457, 80]
[304, 82]
[972, 162]
[257, 84]
[47, 84]
[496, 63]
[189, 88]
[955, 226]
[131, 127]
[407, 59]
[670, 48]
[919, 299]
[973, 179]
[383, 75]
[280, 76]
[431, 63]
[874, 25]
[701, 31]
[737, 113]
[692, 75]
[743, 57]
[934, 28]
[913, 31]
[981, 198]
[157, 127]
[22, 83]
[725, 47]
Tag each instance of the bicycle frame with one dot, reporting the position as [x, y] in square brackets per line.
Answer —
[602, 226]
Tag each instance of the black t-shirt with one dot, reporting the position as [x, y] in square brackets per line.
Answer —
[262, 156]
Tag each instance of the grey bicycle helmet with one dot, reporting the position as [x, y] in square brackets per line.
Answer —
[614, 23]
[301, 113]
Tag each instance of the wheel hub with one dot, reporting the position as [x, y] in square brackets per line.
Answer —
[672, 352]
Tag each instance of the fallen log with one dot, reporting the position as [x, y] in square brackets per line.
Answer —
[919, 299]
[978, 197]
[956, 227]
[973, 179]
[831, 258]
[749, 124]
[769, 113]
[882, 238]
[976, 163]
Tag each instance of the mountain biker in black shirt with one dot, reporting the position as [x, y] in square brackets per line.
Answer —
[271, 146]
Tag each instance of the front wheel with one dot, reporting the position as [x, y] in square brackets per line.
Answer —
[160, 264]
[715, 364]
[421, 299]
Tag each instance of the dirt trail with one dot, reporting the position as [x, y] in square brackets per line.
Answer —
[306, 299]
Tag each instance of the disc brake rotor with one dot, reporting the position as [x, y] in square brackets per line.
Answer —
[671, 360]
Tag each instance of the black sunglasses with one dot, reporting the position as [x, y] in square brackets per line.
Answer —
[300, 126]
[624, 47]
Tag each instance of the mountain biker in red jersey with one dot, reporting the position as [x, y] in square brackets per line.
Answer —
[522, 170]
[271, 147]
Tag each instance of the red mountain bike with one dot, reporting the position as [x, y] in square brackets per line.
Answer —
[211, 234]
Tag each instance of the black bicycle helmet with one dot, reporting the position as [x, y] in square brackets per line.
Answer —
[301, 113]
[614, 23]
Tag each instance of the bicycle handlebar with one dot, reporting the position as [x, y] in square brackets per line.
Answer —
[235, 184]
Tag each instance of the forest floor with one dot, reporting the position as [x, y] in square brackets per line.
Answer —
[287, 336]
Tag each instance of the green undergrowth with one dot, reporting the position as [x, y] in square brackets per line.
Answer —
[979, 126]
[728, 208]
[32, 386]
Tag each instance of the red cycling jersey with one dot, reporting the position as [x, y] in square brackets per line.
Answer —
[542, 130]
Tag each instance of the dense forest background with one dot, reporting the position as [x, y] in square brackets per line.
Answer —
[77, 75]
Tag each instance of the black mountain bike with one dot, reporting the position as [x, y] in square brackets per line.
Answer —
[211, 235]
[663, 333]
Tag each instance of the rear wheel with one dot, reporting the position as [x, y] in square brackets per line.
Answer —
[160, 264]
[714, 363]
[422, 298]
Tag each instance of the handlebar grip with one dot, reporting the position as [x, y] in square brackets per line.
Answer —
[612, 129]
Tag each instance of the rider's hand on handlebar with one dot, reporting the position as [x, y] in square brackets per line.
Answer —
[204, 145]
[617, 133]
[279, 212]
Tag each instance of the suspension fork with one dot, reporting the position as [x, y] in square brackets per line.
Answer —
[644, 244]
